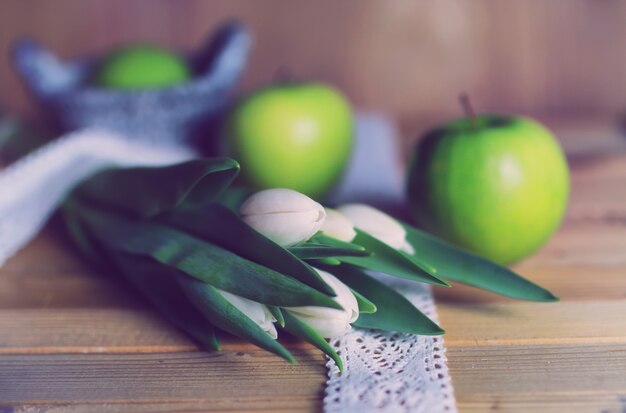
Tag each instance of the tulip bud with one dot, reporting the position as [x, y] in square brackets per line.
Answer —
[408, 248]
[376, 223]
[330, 322]
[285, 216]
[336, 225]
[257, 312]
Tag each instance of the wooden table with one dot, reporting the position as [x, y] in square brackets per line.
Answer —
[72, 340]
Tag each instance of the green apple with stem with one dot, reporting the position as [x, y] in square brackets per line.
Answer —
[495, 185]
[292, 135]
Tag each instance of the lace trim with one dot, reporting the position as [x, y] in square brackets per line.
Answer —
[394, 372]
[33, 187]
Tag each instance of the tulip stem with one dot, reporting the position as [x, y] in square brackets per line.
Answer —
[468, 109]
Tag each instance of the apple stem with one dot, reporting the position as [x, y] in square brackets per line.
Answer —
[466, 104]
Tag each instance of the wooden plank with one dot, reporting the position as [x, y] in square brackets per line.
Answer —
[585, 377]
[516, 323]
[243, 406]
[580, 402]
[134, 330]
[65, 290]
[88, 330]
[293, 405]
[243, 380]
[288, 406]
[108, 330]
[49, 252]
[546, 378]
[81, 290]
[583, 244]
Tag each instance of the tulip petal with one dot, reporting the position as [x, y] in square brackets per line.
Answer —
[285, 216]
[408, 248]
[287, 228]
[326, 327]
[305, 332]
[276, 200]
[337, 226]
[376, 223]
[226, 316]
[255, 311]
[327, 321]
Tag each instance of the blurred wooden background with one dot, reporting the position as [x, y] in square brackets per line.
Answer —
[406, 58]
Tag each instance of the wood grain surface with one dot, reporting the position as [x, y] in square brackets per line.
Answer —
[407, 58]
[73, 340]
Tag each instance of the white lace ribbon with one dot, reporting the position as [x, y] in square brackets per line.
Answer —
[33, 187]
[391, 372]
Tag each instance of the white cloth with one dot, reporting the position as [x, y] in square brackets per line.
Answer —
[33, 187]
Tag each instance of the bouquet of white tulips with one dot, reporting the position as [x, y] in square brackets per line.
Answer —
[213, 257]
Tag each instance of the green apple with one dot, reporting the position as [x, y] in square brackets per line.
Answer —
[141, 67]
[495, 185]
[296, 136]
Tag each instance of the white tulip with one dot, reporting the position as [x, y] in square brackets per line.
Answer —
[285, 216]
[257, 312]
[377, 224]
[336, 225]
[330, 322]
[408, 248]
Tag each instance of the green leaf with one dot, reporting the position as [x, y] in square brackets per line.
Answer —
[394, 311]
[151, 279]
[365, 305]
[156, 283]
[233, 197]
[82, 240]
[457, 265]
[321, 238]
[309, 251]
[389, 261]
[149, 191]
[278, 315]
[325, 261]
[426, 266]
[226, 316]
[303, 331]
[218, 225]
[204, 261]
